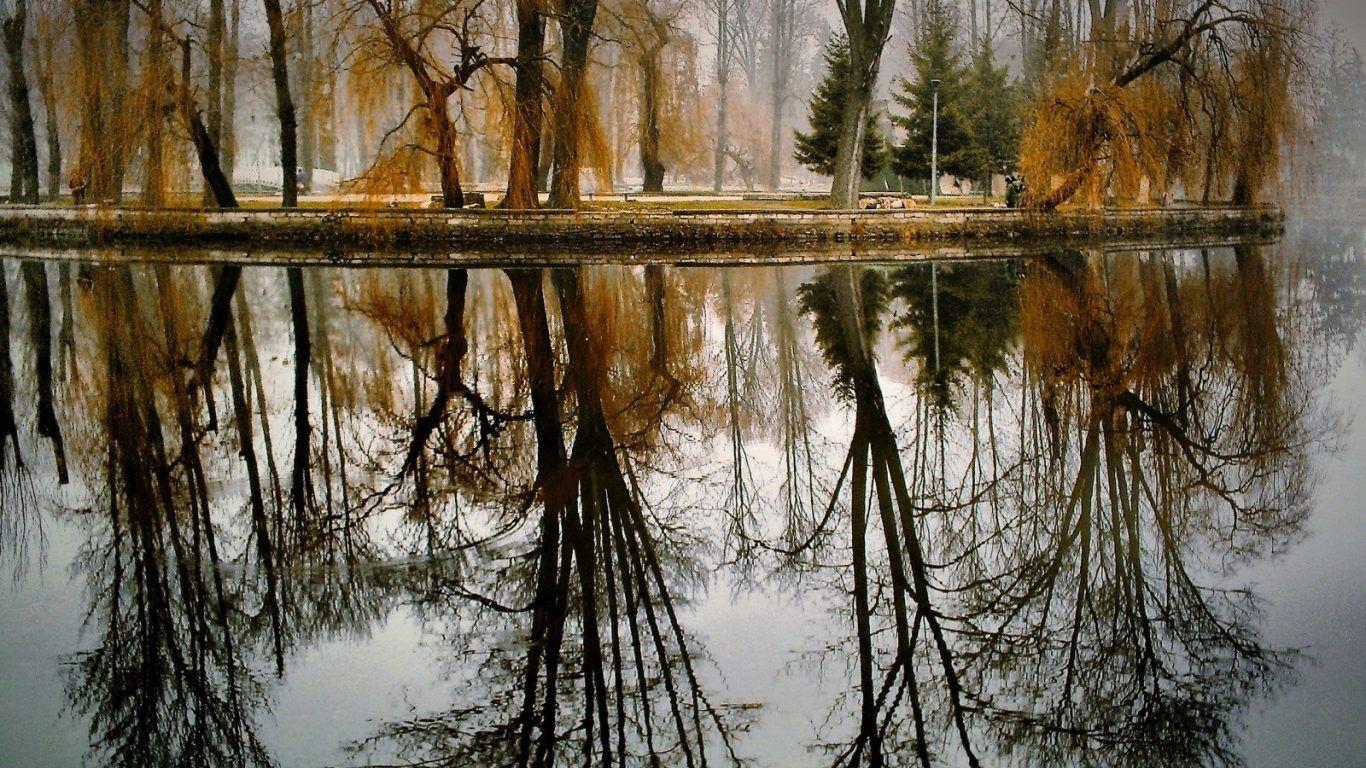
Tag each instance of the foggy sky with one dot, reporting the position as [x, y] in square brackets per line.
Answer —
[1350, 16]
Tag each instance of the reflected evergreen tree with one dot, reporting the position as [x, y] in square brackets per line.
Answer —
[959, 325]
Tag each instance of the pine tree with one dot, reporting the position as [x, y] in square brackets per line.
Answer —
[993, 116]
[935, 57]
[816, 150]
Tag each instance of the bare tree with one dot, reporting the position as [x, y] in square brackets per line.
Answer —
[413, 34]
[284, 105]
[726, 40]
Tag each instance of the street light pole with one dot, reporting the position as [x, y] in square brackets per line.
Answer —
[934, 146]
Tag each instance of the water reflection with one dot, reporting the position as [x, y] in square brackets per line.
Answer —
[1025, 485]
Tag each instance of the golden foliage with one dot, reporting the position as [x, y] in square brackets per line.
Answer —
[1205, 102]
[1111, 136]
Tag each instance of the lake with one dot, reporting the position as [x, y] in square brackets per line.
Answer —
[1087, 507]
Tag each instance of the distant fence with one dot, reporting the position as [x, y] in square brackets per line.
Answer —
[270, 178]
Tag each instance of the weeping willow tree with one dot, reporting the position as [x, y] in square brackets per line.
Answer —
[167, 658]
[577, 134]
[1132, 106]
[103, 50]
[1161, 396]
[603, 664]
[408, 35]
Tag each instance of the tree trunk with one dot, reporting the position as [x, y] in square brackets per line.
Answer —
[9, 427]
[40, 339]
[569, 112]
[651, 165]
[213, 51]
[547, 154]
[298, 310]
[447, 158]
[52, 129]
[849, 150]
[284, 105]
[308, 127]
[867, 26]
[527, 113]
[23, 145]
[228, 143]
[778, 96]
[722, 82]
[220, 191]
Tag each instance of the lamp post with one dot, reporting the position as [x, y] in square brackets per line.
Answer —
[934, 146]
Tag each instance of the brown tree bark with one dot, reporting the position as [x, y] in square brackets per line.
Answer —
[228, 135]
[23, 145]
[284, 105]
[447, 157]
[527, 112]
[651, 164]
[569, 113]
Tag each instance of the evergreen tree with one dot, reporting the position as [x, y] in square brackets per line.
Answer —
[993, 113]
[816, 150]
[935, 57]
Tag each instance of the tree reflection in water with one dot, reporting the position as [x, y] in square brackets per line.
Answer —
[1025, 490]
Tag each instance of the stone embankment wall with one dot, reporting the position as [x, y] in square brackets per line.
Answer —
[493, 229]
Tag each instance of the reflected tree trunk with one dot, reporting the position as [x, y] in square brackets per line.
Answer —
[40, 338]
[300, 486]
[253, 369]
[9, 427]
[260, 528]
[450, 358]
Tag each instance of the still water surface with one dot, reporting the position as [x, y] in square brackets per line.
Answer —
[1082, 509]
